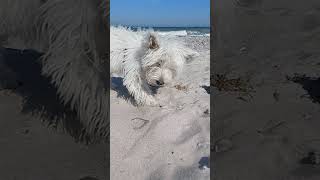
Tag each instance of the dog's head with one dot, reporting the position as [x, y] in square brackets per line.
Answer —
[163, 59]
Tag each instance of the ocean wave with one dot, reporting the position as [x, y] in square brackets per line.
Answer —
[173, 33]
[200, 35]
[197, 33]
[182, 33]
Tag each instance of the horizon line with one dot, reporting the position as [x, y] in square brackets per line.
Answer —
[162, 26]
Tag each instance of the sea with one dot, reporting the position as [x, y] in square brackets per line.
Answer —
[177, 31]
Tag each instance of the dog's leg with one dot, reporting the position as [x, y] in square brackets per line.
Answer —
[140, 95]
[150, 100]
[134, 84]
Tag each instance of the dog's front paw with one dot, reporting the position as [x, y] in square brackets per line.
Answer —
[151, 101]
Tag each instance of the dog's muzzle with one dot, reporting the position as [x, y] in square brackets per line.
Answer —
[159, 83]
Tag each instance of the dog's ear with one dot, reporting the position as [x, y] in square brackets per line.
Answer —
[153, 42]
[190, 54]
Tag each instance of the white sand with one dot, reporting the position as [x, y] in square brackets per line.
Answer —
[176, 136]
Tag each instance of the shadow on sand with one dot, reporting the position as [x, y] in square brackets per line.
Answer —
[122, 91]
[40, 97]
[310, 84]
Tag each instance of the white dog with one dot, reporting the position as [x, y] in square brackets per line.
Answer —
[145, 59]
[73, 37]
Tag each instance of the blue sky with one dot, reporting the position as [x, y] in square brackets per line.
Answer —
[160, 12]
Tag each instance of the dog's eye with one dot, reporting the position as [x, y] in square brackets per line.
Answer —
[158, 64]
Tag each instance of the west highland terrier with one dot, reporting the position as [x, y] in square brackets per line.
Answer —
[74, 39]
[146, 59]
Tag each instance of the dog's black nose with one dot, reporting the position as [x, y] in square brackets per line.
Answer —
[159, 83]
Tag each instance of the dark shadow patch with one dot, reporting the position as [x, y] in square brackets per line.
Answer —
[154, 89]
[204, 162]
[89, 178]
[39, 95]
[117, 85]
[311, 158]
[8, 78]
[310, 84]
[207, 88]
[122, 91]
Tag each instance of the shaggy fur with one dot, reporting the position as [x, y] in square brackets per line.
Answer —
[73, 36]
[145, 59]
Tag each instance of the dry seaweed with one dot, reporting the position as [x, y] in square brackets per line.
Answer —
[239, 85]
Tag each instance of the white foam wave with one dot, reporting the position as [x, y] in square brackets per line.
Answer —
[182, 33]
[173, 33]
[197, 33]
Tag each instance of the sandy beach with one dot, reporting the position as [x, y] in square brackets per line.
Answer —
[167, 142]
[266, 90]
[34, 147]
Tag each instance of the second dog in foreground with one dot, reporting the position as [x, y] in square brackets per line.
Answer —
[146, 59]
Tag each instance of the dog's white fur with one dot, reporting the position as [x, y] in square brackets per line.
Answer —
[73, 36]
[146, 59]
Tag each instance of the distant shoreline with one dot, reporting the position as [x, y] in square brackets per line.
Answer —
[137, 26]
[175, 31]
